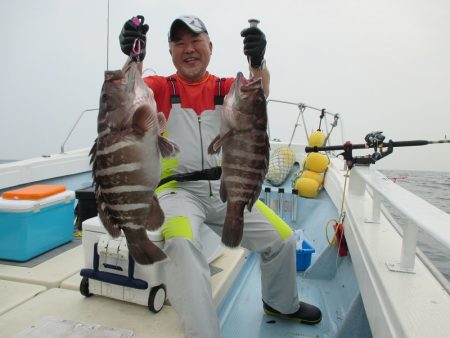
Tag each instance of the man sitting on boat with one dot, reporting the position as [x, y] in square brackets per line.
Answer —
[191, 102]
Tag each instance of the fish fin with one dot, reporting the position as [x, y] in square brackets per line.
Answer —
[143, 119]
[92, 161]
[103, 213]
[233, 226]
[267, 141]
[141, 248]
[162, 122]
[93, 152]
[223, 192]
[110, 226]
[211, 146]
[156, 216]
[167, 147]
[217, 143]
[254, 198]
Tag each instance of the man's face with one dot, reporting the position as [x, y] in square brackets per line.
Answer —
[190, 53]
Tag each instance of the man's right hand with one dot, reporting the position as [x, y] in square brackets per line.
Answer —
[134, 29]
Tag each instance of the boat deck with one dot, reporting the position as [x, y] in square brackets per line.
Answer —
[329, 283]
[50, 290]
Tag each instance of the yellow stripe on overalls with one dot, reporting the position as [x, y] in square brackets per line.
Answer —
[280, 226]
[168, 166]
[177, 226]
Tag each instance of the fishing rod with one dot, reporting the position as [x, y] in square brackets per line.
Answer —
[374, 140]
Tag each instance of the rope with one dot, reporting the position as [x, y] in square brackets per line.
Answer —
[341, 215]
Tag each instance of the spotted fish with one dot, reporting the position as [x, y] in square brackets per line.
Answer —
[126, 161]
[245, 152]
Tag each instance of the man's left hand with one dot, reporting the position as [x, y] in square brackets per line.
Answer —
[254, 45]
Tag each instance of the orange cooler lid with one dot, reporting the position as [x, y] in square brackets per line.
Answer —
[34, 192]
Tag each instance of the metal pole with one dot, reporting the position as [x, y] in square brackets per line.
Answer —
[78, 120]
[302, 104]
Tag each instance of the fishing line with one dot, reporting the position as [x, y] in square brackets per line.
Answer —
[107, 37]
[335, 239]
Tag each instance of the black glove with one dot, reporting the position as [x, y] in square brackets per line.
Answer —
[254, 45]
[134, 29]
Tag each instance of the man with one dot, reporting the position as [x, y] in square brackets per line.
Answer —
[191, 100]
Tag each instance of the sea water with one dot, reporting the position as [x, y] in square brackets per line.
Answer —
[434, 187]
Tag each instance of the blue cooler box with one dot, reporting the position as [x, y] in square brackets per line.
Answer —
[29, 228]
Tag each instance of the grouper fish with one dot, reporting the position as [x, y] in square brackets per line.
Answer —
[245, 152]
[126, 161]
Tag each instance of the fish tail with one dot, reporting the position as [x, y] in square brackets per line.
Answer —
[234, 225]
[141, 248]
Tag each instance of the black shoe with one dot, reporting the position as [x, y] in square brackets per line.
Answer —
[307, 313]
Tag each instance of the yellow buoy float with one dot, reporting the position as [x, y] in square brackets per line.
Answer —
[316, 162]
[316, 139]
[310, 181]
[307, 187]
[318, 177]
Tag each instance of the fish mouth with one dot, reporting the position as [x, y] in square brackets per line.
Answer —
[128, 67]
[241, 80]
[247, 85]
[131, 72]
[121, 76]
[114, 76]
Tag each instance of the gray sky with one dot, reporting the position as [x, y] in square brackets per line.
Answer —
[383, 65]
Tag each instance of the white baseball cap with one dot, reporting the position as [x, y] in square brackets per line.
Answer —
[192, 22]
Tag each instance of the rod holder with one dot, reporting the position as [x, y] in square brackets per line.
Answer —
[294, 205]
[280, 202]
[267, 191]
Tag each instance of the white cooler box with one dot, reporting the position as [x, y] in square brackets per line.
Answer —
[110, 271]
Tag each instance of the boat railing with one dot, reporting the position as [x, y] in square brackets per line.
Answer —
[74, 126]
[325, 114]
[420, 213]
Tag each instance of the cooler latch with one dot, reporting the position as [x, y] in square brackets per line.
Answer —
[114, 252]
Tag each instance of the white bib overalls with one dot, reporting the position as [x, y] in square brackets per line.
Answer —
[188, 206]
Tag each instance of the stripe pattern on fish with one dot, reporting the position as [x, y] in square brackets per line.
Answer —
[126, 161]
[245, 152]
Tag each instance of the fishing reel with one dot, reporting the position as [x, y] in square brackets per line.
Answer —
[373, 140]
